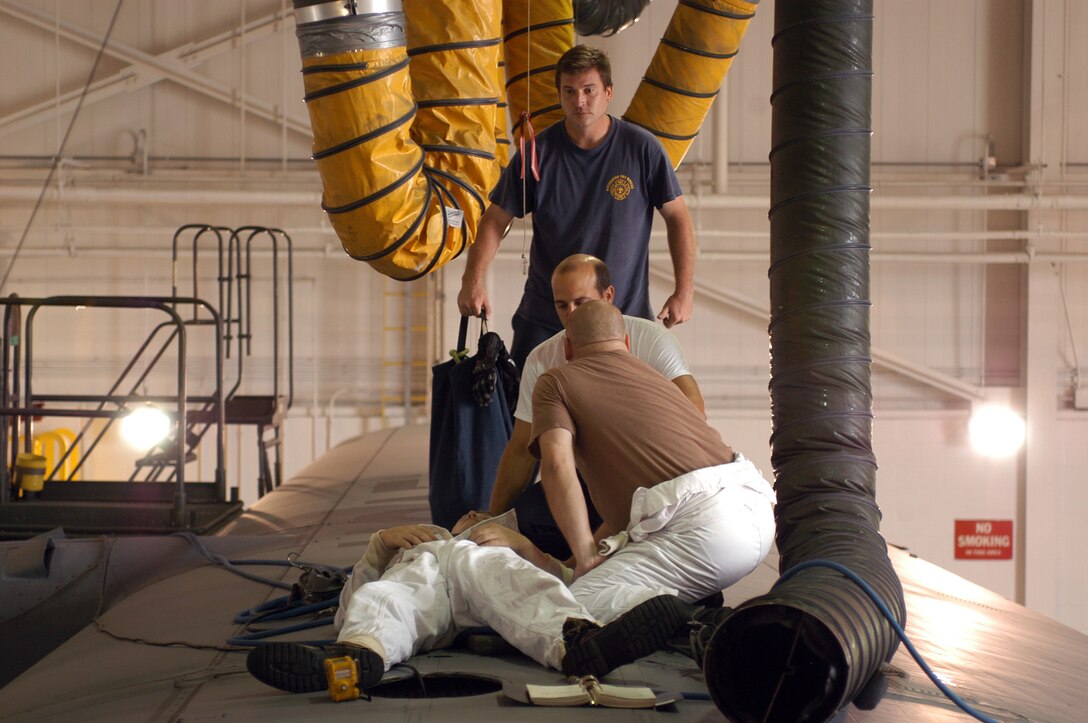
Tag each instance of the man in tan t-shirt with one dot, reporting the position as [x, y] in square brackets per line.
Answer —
[577, 279]
[683, 515]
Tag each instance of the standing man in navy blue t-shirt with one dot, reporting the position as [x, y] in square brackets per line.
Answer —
[600, 180]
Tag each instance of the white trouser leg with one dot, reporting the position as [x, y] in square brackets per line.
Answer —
[695, 555]
[441, 588]
[522, 603]
[407, 610]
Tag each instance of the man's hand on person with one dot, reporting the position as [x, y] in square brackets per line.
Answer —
[502, 536]
[581, 568]
[406, 537]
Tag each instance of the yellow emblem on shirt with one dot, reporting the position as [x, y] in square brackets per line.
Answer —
[620, 187]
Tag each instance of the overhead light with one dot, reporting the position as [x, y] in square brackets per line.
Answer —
[996, 431]
[145, 427]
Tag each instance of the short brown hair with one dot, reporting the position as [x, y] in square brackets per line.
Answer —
[581, 58]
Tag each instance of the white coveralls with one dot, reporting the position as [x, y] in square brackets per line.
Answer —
[402, 602]
[690, 536]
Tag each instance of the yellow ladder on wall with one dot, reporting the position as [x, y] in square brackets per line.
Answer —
[408, 313]
[56, 445]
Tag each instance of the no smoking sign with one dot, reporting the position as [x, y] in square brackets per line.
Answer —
[983, 539]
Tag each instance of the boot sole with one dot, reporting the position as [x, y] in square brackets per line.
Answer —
[641, 631]
[300, 668]
[289, 666]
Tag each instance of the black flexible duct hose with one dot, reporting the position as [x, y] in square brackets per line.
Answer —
[606, 17]
[811, 645]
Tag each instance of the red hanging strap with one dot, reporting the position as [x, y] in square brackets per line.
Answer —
[527, 129]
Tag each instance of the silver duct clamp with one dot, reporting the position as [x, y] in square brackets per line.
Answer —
[316, 12]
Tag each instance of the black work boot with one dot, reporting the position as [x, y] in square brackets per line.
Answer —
[691, 639]
[299, 668]
[641, 631]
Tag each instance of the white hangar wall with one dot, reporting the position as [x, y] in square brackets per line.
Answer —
[979, 275]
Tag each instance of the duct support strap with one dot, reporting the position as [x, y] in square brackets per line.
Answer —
[535, 35]
[405, 148]
[816, 641]
[502, 123]
[688, 69]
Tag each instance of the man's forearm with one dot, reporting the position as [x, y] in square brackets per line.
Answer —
[511, 479]
[546, 562]
[690, 389]
[680, 234]
[681, 237]
[681, 240]
[568, 507]
[472, 298]
[515, 469]
[488, 237]
[480, 256]
[603, 530]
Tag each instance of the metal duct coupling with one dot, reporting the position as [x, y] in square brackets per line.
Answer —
[405, 148]
[814, 643]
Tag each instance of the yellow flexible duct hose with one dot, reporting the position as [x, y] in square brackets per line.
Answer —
[455, 47]
[405, 187]
[535, 34]
[397, 179]
[688, 69]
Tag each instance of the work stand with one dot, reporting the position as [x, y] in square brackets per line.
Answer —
[43, 483]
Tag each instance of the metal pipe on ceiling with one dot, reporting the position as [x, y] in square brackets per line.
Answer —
[1027, 201]
[951, 257]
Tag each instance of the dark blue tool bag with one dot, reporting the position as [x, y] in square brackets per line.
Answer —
[472, 415]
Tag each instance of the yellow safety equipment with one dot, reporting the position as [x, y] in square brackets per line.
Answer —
[30, 471]
[59, 447]
[343, 678]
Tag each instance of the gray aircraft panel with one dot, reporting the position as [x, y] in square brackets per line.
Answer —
[159, 654]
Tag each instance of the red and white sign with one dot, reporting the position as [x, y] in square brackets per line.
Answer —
[983, 539]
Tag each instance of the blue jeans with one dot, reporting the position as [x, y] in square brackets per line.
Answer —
[529, 335]
[535, 521]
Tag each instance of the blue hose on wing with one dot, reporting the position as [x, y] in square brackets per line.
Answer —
[258, 637]
[232, 565]
[887, 613]
[291, 606]
[285, 607]
[281, 608]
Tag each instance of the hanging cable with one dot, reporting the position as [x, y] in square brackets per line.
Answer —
[64, 142]
[525, 116]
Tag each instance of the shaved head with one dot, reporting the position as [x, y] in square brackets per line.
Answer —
[594, 322]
